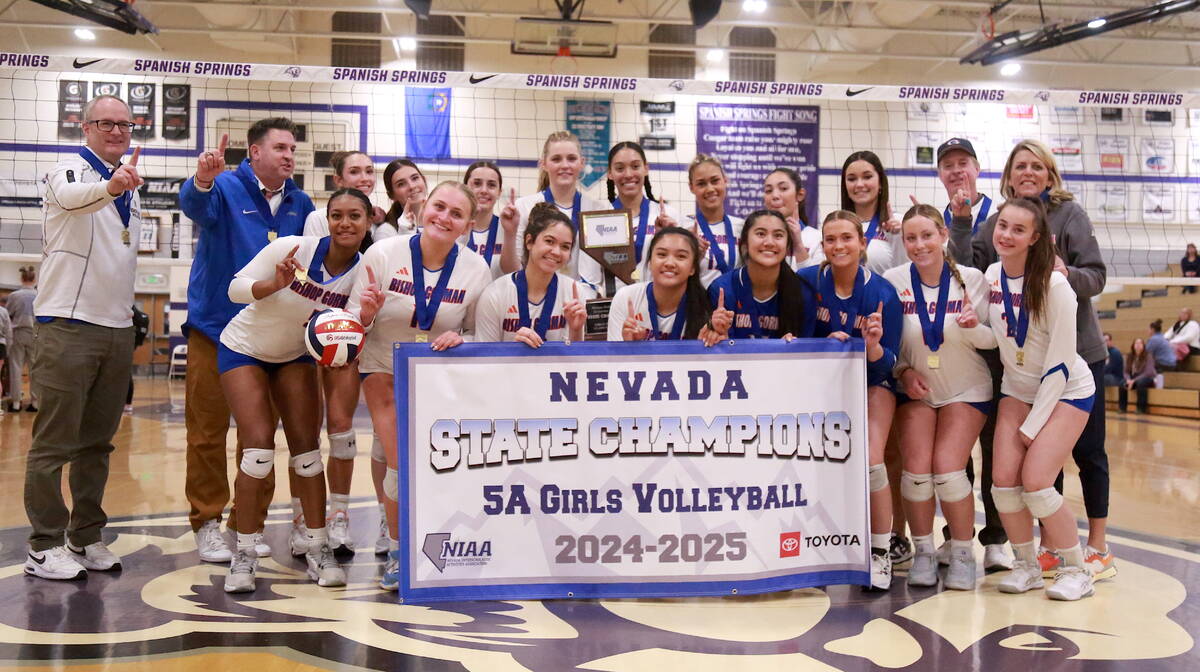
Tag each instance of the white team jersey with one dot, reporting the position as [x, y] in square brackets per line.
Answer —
[498, 317]
[383, 231]
[886, 252]
[1051, 369]
[317, 223]
[592, 273]
[87, 270]
[391, 261]
[962, 375]
[709, 270]
[619, 310]
[272, 328]
[525, 206]
[480, 238]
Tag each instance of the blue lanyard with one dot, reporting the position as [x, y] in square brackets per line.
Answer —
[934, 332]
[1018, 325]
[424, 314]
[984, 209]
[575, 205]
[490, 248]
[835, 304]
[680, 315]
[316, 266]
[723, 265]
[543, 322]
[125, 199]
[643, 222]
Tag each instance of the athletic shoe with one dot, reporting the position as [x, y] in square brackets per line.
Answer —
[339, 533]
[996, 558]
[900, 549]
[54, 563]
[881, 571]
[211, 543]
[391, 571]
[241, 572]
[261, 548]
[1025, 576]
[381, 544]
[924, 570]
[31, 409]
[1070, 584]
[961, 575]
[1049, 560]
[96, 556]
[323, 568]
[298, 539]
[943, 553]
[1102, 565]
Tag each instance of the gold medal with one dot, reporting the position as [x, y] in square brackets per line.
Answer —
[301, 275]
[125, 237]
[636, 276]
[271, 235]
[933, 361]
[421, 338]
[1020, 358]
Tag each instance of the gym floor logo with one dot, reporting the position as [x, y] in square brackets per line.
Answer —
[167, 603]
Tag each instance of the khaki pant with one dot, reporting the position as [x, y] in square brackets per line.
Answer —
[206, 415]
[80, 374]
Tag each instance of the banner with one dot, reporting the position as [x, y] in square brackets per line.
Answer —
[177, 111]
[71, 97]
[1114, 153]
[106, 89]
[753, 140]
[590, 121]
[630, 469]
[1158, 203]
[1157, 155]
[1068, 152]
[658, 125]
[427, 123]
[141, 107]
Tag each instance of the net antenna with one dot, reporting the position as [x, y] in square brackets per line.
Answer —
[565, 38]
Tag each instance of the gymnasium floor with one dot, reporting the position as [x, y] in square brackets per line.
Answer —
[167, 611]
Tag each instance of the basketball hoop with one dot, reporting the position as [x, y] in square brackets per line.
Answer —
[987, 25]
[564, 63]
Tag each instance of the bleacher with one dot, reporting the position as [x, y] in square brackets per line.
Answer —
[1127, 315]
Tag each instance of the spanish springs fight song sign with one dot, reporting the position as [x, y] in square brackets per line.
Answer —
[630, 470]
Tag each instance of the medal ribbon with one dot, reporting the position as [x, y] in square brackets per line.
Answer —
[490, 248]
[643, 223]
[575, 206]
[1018, 326]
[984, 209]
[934, 332]
[723, 265]
[424, 313]
[680, 314]
[837, 306]
[125, 199]
[543, 322]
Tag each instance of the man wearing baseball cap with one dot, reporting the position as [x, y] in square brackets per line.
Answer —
[958, 169]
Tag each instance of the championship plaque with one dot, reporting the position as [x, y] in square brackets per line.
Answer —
[607, 237]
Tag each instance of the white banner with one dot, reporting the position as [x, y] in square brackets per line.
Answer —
[1158, 203]
[631, 469]
[1068, 152]
[1157, 155]
[1113, 151]
[1109, 202]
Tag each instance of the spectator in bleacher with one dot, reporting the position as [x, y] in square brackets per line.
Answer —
[1190, 265]
[1160, 348]
[1184, 335]
[1114, 368]
[1139, 376]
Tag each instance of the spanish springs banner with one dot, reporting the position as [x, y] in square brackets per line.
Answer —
[621, 470]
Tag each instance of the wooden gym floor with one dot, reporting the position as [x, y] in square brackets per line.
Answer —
[166, 610]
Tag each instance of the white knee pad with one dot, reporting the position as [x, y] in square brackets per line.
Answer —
[391, 484]
[1044, 502]
[877, 477]
[343, 445]
[308, 464]
[916, 487]
[257, 462]
[952, 486]
[377, 449]
[1008, 500]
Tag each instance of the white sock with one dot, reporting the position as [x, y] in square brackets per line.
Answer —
[1026, 552]
[297, 511]
[317, 537]
[956, 544]
[923, 544]
[393, 545]
[1073, 556]
[338, 502]
[881, 540]
[245, 541]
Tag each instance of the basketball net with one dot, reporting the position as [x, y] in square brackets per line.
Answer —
[564, 63]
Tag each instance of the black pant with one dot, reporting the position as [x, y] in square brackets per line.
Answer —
[1090, 455]
[1141, 386]
[993, 529]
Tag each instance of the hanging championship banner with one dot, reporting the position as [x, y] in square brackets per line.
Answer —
[71, 97]
[630, 469]
[658, 125]
[141, 107]
[590, 121]
[177, 111]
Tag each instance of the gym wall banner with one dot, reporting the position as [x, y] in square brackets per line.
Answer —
[590, 121]
[643, 469]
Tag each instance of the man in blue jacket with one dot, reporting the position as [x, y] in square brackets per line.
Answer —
[237, 213]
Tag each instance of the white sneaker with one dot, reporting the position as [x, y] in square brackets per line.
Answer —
[943, 553]
[996, 558]
[923, 572]
[241, 572]
[881, 571]
[261, 548]
[339, 533]
[54, 563]
[96, 556]
[298, 539]
[323, 568]
[1025, 576]
[391, 572]
[381, 543]
[962, 572]
[1070, 584]
[211, 543]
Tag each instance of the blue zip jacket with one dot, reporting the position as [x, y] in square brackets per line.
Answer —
[874, 290]
[233, 219]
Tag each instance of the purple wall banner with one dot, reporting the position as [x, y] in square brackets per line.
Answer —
[753, 140]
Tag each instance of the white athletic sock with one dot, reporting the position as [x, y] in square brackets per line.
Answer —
[338, 502]
[245, 541]
[881, 540]
[1073, 556]
[393, 545]
[923, 544]
[1026, 552]
[956, 544]
[317, 537]
[297, 511]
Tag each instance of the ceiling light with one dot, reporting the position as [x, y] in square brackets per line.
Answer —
[715, 55]
[1097, 23]
[406, 44]
[84, 34]
[754, 6]
[1010, 69]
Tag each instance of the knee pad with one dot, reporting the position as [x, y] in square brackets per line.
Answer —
[257, 462]
[877, 477]
[952, 486]
[1008, 500]
[377, 449]
[391, 484]
[308, 464]
[916, 487]
[1044, 502]
[343, 445]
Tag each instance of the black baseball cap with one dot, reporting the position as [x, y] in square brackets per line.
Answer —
[956, 144]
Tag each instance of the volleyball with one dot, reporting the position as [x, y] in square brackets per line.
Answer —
[333, 337]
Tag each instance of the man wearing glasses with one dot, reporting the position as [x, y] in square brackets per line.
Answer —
[84, 353]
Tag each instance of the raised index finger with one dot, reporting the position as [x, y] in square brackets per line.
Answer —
[223, 144]
[512, 196]
[575, 291]
[293, 252]
[913, 199]
[630, 314]
[370, 275]
[721, 298]
[879, 308]
[137, 151]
